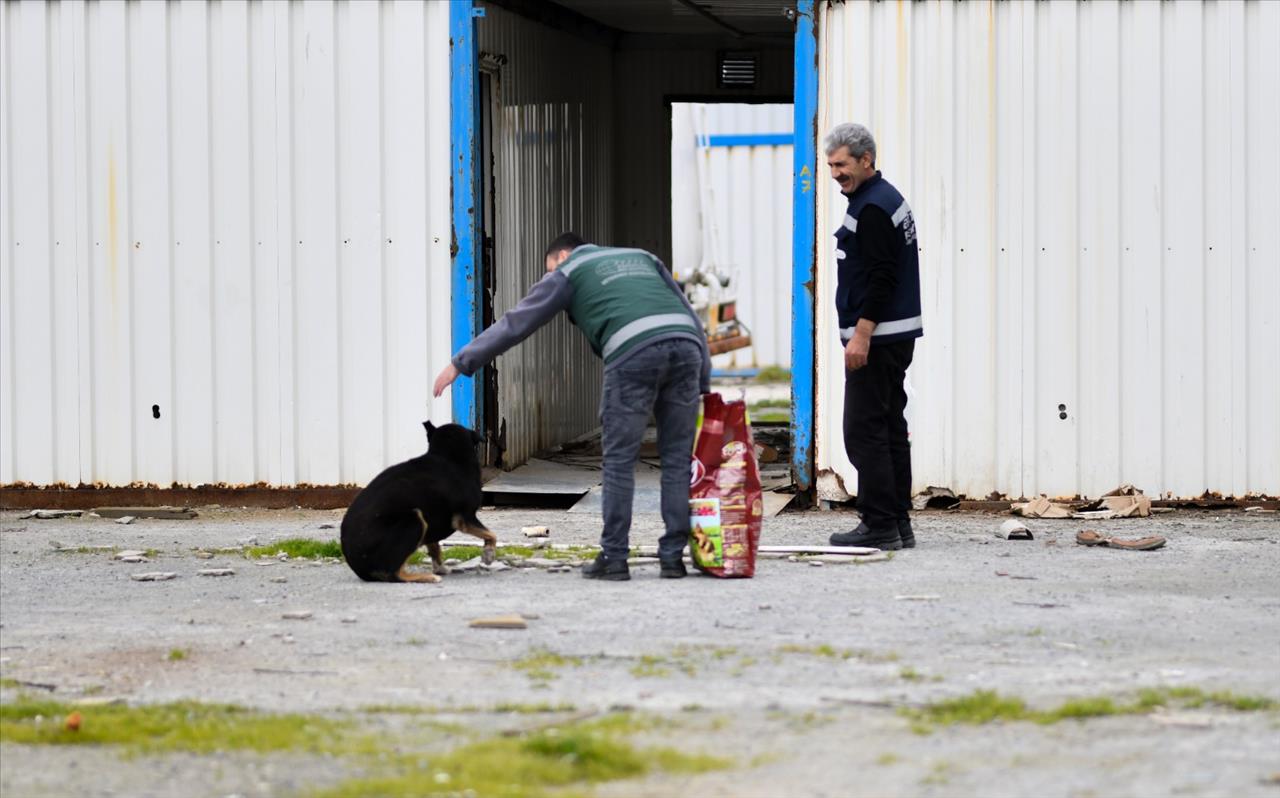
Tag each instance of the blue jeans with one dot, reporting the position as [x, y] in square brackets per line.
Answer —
[662, 379]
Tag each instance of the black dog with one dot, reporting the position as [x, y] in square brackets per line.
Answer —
[419, 501]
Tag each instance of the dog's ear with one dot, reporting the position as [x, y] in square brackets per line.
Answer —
[430, 428]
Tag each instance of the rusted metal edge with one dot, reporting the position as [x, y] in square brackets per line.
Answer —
[88, 497]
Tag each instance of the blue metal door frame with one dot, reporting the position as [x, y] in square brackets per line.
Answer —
[465, 280]
[804, 220]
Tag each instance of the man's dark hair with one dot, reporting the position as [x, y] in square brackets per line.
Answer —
[568, 241]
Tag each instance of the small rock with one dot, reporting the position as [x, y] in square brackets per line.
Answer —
[204, 555]
[535, 531]
[126, 519]
[494, 566]
[216, 572]
[297, 615]
[283, 556]
[500, 622]
[348, 619]
[252, 540]
[280, 580]
[264, 562]
[816, 563]
[764, 607]
[124, 555]
[154, 576]
[133, 559]
[326, 526]
[287, 639]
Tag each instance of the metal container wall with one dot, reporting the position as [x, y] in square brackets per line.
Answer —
[746, 189]
[1096, 188]
[225, 240]
[552, 158]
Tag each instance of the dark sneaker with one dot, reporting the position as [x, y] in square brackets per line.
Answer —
[609, 570]
[866, 536]
[672, 568]
[904, 532]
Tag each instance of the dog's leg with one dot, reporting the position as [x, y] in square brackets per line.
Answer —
[404, 573]
[476, 529]
[437, 563]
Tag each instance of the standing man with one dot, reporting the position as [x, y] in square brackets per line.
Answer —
[655, 361]
[878, 304]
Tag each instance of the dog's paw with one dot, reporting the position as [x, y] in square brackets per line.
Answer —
[489, 554]
[440, 570]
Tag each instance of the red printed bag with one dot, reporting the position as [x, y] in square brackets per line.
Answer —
[725, 505]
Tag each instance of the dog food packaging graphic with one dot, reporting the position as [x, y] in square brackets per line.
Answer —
[725, 505]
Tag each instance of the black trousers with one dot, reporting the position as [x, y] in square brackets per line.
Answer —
[875, 433]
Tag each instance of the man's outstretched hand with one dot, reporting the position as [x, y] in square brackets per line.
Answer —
[445, 378]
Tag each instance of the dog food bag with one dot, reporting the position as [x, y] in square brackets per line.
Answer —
[725, 505]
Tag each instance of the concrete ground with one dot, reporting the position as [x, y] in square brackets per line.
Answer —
[798, 675]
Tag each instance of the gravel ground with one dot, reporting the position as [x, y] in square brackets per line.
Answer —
[744, 668]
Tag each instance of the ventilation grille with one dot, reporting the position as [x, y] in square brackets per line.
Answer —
[737, 70]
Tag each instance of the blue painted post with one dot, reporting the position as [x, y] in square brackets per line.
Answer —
[464, 283]
[804, 218]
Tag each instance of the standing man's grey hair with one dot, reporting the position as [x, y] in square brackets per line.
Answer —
[856, 137]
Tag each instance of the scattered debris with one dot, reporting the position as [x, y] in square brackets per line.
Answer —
[51, 514]
[1040, 507]
[297, 615]
[154, 576]
[535, 531]
[216, 572]
[129, 554]
[1014, 530]
[167, 513]
[1125, 501]
[1091, 537]
[125, 519]
[935, 498]
[1254, 509]
[500, 622]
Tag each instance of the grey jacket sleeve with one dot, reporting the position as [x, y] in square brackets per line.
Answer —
[549, 296]
[704, 383]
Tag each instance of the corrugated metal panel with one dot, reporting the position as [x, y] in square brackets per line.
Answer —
[1095, 187]
[746, 191]
[226, 240]
[552, 162]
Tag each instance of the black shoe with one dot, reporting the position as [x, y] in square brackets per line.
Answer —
[609, 570]
[672, 568]
[866, 536]
[904, 532]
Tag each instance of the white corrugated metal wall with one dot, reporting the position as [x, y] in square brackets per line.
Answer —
[553, 151]
[1096, 188]
[746, 191]
[225, 240]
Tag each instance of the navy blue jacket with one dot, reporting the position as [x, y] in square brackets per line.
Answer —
[878, 271]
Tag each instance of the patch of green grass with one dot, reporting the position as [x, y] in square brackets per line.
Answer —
[6, 682]
[542, 708]
[910, 674]
[769, 418]
[537, 765]
[176, 655]
[770, 374]
[508, 552]
[649, 668]
[181, 726]
[763, 403]
[822, 650]
[888, 758]
[298, 549]
[541, 664]
[987, 706]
